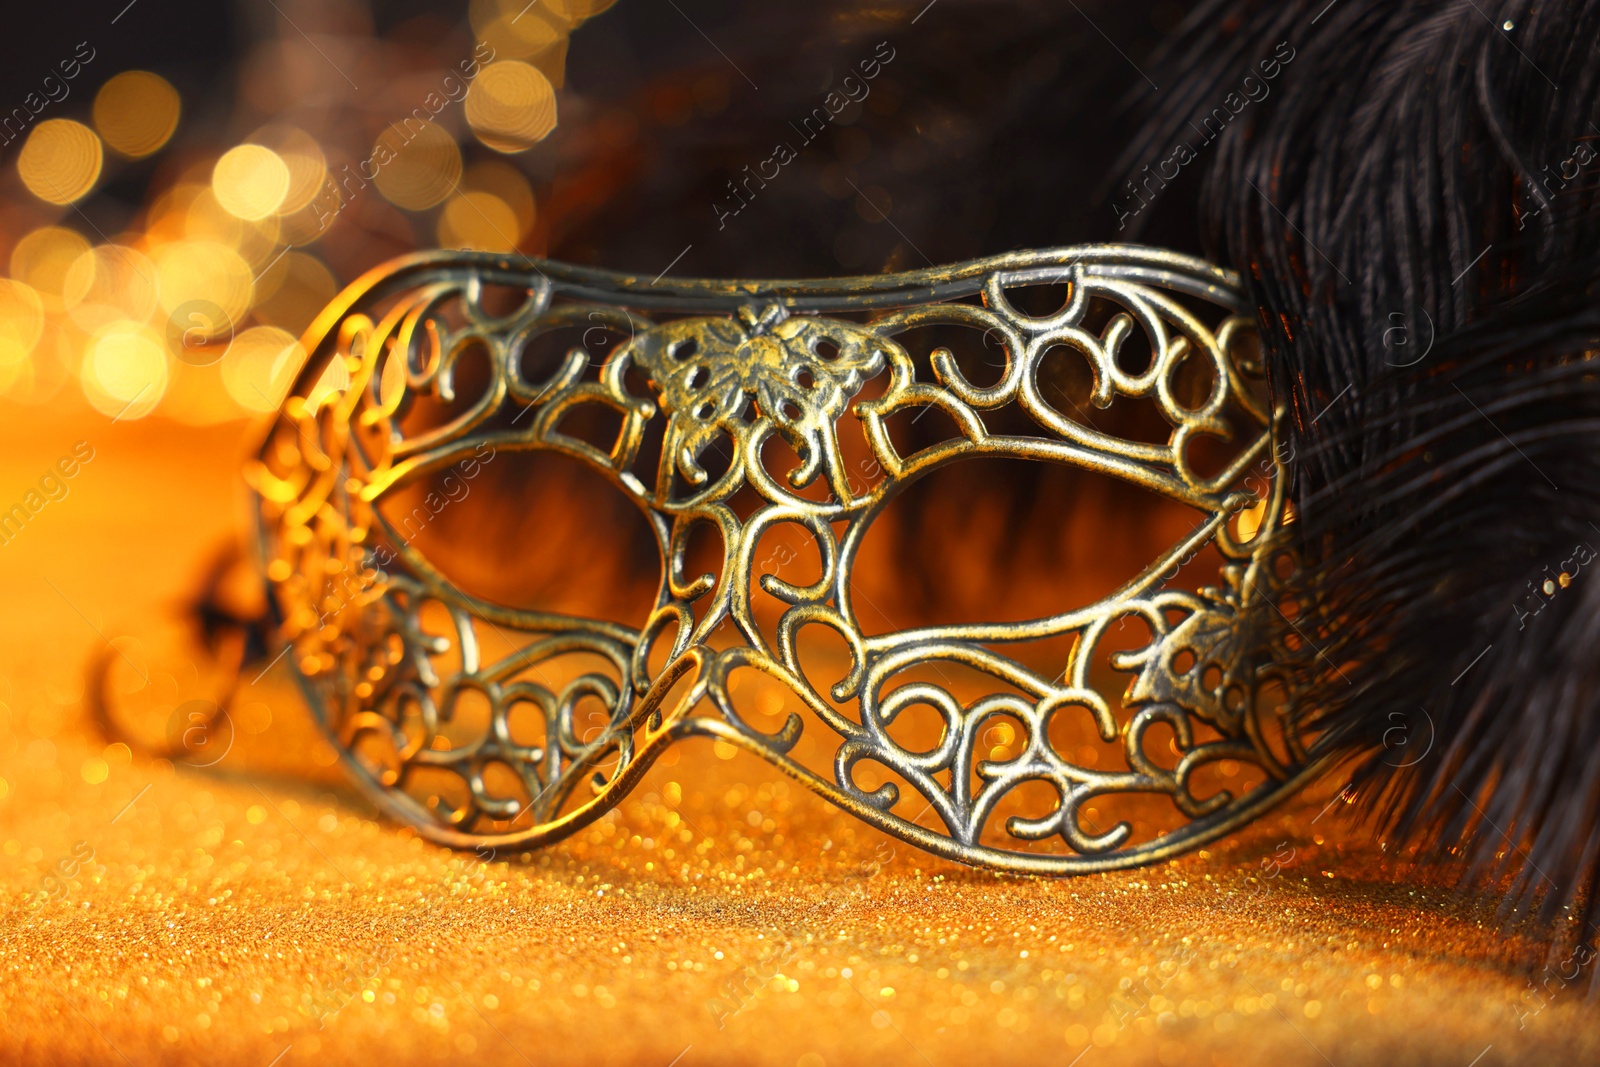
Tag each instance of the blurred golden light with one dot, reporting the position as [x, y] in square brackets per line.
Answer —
[308, 167]
[260, 366]
[60, 161]
[511, 106]
[313, 220]
[13, 372]
[1248, 521]
[21, 323]
[206, 271]
[205, 219]
[136, 112]
[536, 35]
[331, 383]
[506, 182]
[250, 181]
[167, 217]
[107, 284]
[417, 164]
[292, 291]
[42, 258]
[478, 221]
[38, 378]
[124, 371]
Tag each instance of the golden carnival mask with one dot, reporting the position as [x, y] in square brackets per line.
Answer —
[726, 404]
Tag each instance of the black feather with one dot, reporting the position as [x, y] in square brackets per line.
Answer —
[1414, 208]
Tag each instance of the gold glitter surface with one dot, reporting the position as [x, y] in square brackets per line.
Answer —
[259, 912]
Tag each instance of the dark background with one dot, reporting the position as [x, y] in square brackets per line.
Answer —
[995, 126]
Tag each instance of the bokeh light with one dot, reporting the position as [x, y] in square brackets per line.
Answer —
[232, 230]
[60, 161]
[478, 221]
[417, 165]
[167, 218]
[136, 113]
[311, 221]
[21, 324]
[206, 271]
[125, 370]
[506, 182]
[300, 153]
[492, 212]
[250, 181]
[291, 292]
[52, 364]
[537, 34]
[108, 284]
[259, 367]
[511, 106]
[206, 219]
[42, 259]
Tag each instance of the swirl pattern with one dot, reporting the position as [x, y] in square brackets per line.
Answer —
[391, 649]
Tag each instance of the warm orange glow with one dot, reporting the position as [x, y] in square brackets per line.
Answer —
[109, 284]
[136, 113]
[167, 218]
[203, 271]
[125, 371]
[21, 323]
[479, 221]
[61, 161]
[250, 181]
[508, 184]
[1249, 521]
[224, 231]
[206, 219]
[43, 257]
[511, 106]
[291, 292]
[38, 378]
[259, 366]
[308, 167]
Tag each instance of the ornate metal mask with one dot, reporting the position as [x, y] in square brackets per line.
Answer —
[703, 377]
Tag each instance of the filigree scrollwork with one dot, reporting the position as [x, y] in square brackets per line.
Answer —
[391, 651]
[800, 372]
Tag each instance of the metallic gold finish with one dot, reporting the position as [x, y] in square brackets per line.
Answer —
[730, 365]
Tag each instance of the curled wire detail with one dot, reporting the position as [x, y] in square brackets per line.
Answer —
[389, 649]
